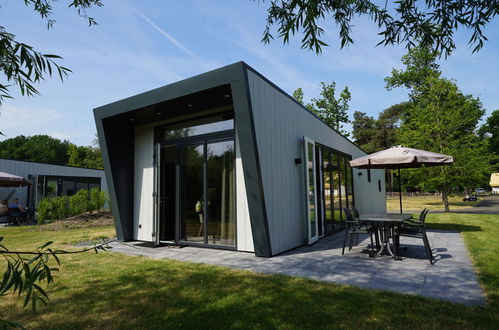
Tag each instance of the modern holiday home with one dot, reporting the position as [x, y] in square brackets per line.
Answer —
[228, 160]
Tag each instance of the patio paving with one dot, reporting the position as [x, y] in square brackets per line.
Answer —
[451, 277]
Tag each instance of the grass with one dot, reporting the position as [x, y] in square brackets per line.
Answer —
[431, 202]
[110, 290]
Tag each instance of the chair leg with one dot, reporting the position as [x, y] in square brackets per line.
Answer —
[372, 254]
[344, 242]
[396, 241]
[350, 244]
[376, 236]
[427, 247]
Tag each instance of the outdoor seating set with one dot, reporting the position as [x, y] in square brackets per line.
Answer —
[14, 217]
[385, 227]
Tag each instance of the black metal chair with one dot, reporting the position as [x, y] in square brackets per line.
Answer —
[353, 229]
[356, 215]
[415, 228]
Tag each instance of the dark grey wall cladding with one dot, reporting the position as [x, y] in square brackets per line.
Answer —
[117, 143]
[120, 152]
[251, 166]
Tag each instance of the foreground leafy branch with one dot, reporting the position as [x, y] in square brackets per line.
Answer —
[432, 23]
[27, 271]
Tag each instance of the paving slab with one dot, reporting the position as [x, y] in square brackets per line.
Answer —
[451, 277]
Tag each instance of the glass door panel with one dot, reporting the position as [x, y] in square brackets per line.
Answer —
[192, 201]
[337, 214]
[311, 193]
[221, 213]
[319, 190]
[167, 189]
[328, 192]
[343, 184]
[351, 201]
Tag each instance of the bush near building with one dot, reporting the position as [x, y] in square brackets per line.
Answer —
[62, 207]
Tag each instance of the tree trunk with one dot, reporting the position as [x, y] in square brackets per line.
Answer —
[445, 200]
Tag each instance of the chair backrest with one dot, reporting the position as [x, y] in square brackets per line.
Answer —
[422, 216]
[355, 213]
[348, 214]
[350, 220]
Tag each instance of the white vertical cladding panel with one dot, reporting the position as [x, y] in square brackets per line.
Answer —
[243, 226]
[280, 125]
[368, 198]
[143, 183]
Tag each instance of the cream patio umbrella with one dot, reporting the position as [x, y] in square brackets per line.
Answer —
[398, 157]
[11, 180]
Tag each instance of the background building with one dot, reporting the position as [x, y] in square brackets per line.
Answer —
[48, 181]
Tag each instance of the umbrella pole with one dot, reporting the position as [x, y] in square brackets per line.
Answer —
[400, 192]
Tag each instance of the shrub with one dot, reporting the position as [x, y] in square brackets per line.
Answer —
[43, 211]
[97, 199]
[58, 208]
[78, 203]
[52, 209]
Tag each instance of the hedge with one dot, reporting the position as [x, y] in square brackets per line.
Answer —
[59, 208]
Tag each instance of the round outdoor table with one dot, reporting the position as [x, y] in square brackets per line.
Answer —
[385, 223]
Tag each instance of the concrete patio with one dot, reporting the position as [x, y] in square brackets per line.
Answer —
[451, 277]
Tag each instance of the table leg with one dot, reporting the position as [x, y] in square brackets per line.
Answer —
[383, 238]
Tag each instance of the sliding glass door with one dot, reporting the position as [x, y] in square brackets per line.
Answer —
[197, 178]
[196, 182]
[335, 183]
[192, 213]
[220, 180]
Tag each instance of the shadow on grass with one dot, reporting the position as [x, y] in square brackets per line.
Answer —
[169, 294]
[453, 227]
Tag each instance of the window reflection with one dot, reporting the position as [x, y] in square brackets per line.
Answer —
[337, 182]
[197, 127]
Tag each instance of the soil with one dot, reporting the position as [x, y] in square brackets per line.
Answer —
[85, 220]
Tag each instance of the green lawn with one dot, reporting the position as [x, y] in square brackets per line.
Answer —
[431, 202]
[110, 290]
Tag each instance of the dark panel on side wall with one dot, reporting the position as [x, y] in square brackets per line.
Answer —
[120, 153]
[252, 173]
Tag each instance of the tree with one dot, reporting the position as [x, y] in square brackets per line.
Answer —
[298, 95]
[22, 65]
[377, 134]
[49, 150]
[387, 126]
[441, 119]
[333, 111]
[364, 131]
[83, 156]
[431, 23]
[489, 132]
[37, 148]
[420, 63]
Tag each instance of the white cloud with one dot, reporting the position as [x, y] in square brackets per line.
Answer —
[25, 119]
[169, 37]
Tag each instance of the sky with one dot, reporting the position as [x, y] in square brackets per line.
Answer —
[141, 45]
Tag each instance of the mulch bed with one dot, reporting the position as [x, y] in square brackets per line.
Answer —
[85, 220]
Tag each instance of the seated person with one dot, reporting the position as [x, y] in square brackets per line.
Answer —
[17, 213]
[16, 205]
